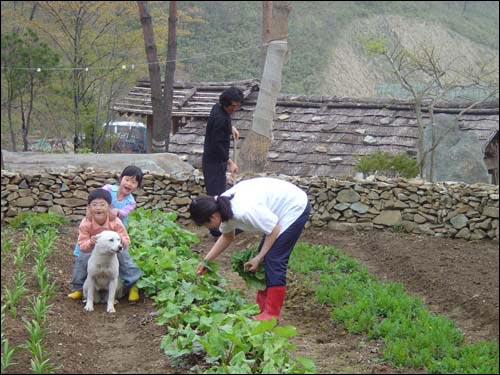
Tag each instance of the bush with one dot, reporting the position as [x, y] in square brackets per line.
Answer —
[388, 164]
[40, 222]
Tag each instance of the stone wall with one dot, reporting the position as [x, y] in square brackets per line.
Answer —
[445, 209]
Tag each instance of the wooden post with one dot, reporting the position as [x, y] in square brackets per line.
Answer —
[253, 155]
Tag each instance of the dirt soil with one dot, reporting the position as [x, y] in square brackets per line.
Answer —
[454, 277]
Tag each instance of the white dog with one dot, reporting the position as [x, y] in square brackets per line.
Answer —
[102, 272]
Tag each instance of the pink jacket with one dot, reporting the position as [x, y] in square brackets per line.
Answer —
[89, 228]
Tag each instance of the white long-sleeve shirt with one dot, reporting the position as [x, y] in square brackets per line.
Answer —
[261, 203]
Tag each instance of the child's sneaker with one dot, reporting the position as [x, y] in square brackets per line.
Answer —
[77, 294]
[133, 294]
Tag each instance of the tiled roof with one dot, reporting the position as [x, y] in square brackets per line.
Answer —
[323, 135]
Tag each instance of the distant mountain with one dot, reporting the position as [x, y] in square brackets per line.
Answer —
[326, 57]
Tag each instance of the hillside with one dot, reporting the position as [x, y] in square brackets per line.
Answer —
[217, 41]
[325, 55]
[351, 73]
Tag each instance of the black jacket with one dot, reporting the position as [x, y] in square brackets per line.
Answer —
[217, 136]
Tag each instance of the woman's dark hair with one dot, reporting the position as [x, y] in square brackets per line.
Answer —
[202, 208]
[99, 194]
[133, 171]
[230, 95]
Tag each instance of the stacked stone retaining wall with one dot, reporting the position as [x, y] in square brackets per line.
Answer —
[445, 209]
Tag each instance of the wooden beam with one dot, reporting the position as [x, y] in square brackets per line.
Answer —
[186, 98]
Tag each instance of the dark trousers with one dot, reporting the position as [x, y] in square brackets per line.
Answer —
[215, 181]
[276, 259]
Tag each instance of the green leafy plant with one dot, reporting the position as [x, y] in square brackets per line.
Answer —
[7, 351]
[388, 164]
[203, 319]
[22, 252]
[253, 279]
[39, 308]
[11, 297]
[39, 222]
[413, 336]
[6, 246]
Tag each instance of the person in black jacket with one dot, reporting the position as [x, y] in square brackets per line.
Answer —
[218, 134]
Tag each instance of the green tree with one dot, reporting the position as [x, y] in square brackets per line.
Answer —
[22, 57]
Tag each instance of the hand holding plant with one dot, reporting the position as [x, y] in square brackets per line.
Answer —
[200, 270]
[247, 264]
[253, 264]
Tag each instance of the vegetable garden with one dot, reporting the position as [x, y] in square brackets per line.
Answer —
[338, 316]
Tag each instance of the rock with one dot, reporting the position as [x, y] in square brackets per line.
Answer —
[419, 219]
[25, 202]
[36, 162]
[57, 209]
[458, 155]
[491, 212]
[369, 139]
[459, 221]
[463, 233]
[71, 202]
[348, 196]
[341, 206]
[389, 218]
[360, 207]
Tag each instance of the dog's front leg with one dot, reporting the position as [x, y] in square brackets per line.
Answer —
[89, 306]
[113, 284]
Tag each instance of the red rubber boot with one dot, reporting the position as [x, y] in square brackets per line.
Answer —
[261, 299]
[274, 301]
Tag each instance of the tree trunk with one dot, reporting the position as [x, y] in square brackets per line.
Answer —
[23, 122]
[30, 111]
[170, 70]
[77, 141]
[256, 146]
[420, 122]
[279, 26]
[433, 143]
[157, 99]
[76, 114]
[9, 116]
[267, 14]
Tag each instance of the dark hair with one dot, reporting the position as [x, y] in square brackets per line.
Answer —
[230, 95]
[133, 171]
[99, 194]
[202, 208]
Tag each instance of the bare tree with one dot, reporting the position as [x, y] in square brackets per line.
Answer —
[429, 82]
[80, 32]
[267, 19]
[157, 98]
[170, 70]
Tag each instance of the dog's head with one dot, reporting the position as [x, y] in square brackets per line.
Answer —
[108, 241]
